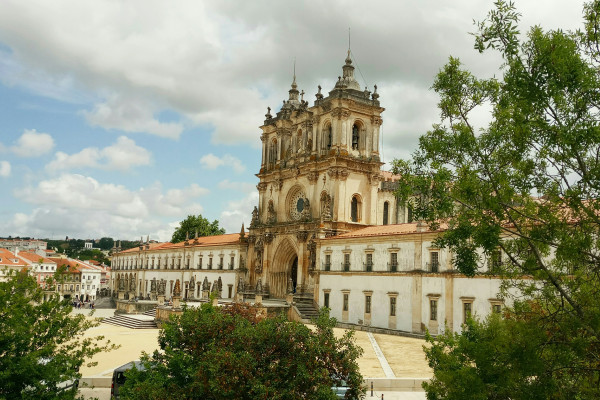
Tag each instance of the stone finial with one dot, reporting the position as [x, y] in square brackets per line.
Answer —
[148, 239]
[242, 232]
[187, 236]
[177, 289]
[268, 114]
[319, 95]
[375, 95]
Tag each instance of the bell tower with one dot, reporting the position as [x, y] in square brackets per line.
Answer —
[319, 177]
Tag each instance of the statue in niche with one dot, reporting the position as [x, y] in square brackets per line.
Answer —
[254, 220]
[271, 213]
[177, 289]
[259, 286]
[326, 207]
[153, 285]
[312, 253]
[121, 284]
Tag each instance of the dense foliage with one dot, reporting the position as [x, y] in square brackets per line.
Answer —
[196, 224]
[235, 353]
[525, 186]
[41, 343]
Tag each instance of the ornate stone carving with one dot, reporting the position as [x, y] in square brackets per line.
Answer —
[254, 221]
[278, 183]
[262, 186]
[326, 106]
[269, 236]
[132, 285]
[259, 286]
[271, 213]
[326, 207]
[374, 178]
[312, 176]
[312, 253]
[302, 236]
[375, 120]
[205, 284]
[153, 285]
[340, 173]
[177, 289]
[162, 286]
[121, 284]
[192, 285]
[306, 214]
[290, 286]
[251, 239]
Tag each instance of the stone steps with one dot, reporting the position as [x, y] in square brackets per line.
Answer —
[130, 322]
[151, 313]
[306, 307]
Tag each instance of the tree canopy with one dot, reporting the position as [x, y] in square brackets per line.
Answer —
[526, 185]
[235, 353]
[41, 343]
[192, 224]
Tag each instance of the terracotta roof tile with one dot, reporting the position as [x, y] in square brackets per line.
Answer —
[8, 259]
[383, 230]
[230, 238]
[33, 257]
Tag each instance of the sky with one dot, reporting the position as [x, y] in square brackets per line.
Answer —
[121, 118]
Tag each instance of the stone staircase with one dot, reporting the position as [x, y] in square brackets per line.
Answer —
[132, 322]
[151, 313]
[305, 305]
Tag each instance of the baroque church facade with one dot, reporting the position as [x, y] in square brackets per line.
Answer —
[327, 226]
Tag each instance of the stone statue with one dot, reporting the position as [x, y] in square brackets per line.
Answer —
[254, 220]
[215, 288]
[220, 285]
[132, 285]
[271, 213]
[312, 253]
[259, 286]
[177, 289]
[205, 284]
[290, 286]
[192, 283]
[240, 287]
[306, 209]
[121, 284]
[153, 285]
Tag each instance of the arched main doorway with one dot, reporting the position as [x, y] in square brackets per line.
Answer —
[284, 266]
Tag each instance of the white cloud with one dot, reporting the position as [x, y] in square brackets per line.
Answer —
[122, 155]
[210, 161]
[32, 144]
[77, 205]
[131, 116]
[244, 187]
[238, 211]
[4, 169]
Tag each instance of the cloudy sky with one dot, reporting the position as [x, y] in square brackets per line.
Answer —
[121, 118]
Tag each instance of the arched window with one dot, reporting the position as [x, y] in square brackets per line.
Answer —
[355, 209]
[354, 137]
[327, 139]
[386, 210]
[273, 152]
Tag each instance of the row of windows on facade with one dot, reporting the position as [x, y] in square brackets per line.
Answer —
[70, 288]
[326, 142]
[392, 266]
[175, 264]
[496, 307]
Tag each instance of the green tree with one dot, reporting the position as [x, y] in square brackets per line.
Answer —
[41, 343]
[106, 243]
[193, 224]
[92, 254]
[526, 184]
[234, 353]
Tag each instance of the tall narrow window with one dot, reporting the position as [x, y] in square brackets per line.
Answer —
[354, 209]
[346, 262]
[369, 266]
[232, 262]
[328, 138]
[327, 262]
[467, 309]
[386, 210]
[433, 309]
[345, 303]
[326, 299]
[354, 137]
[200, 262]
[392, 306]
[393, 262]
[434, 262]
[368, 304]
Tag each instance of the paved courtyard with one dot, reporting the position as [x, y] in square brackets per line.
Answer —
[384, 356]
